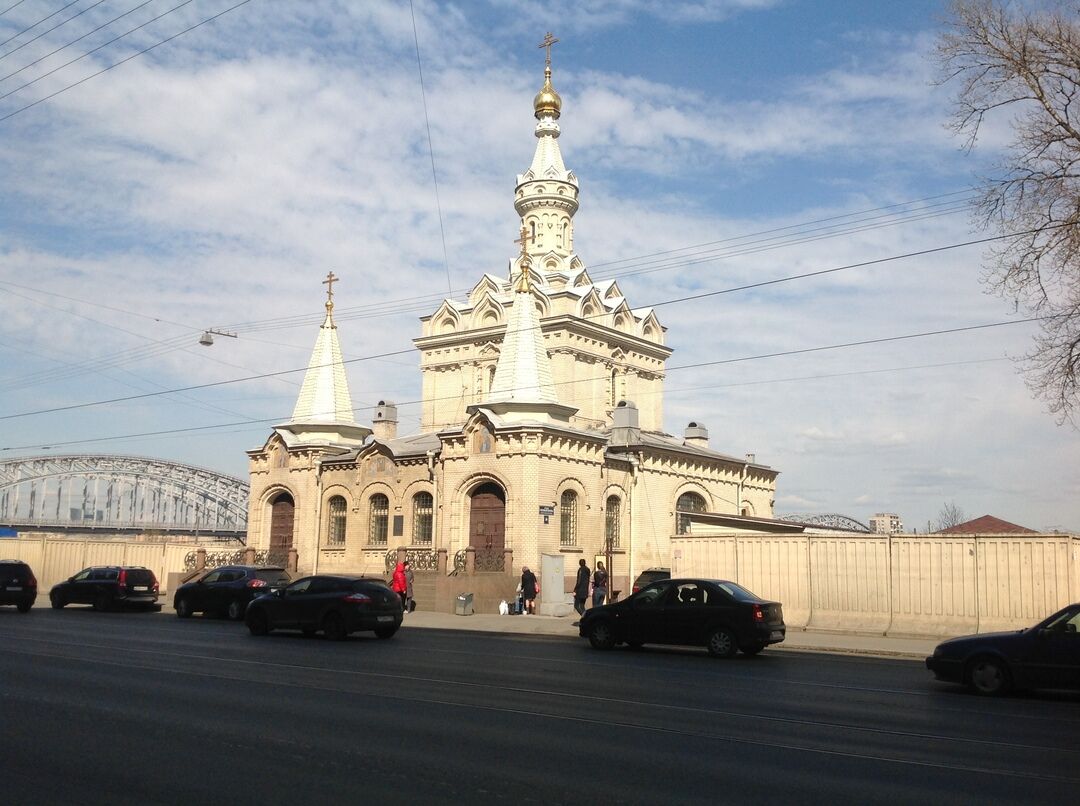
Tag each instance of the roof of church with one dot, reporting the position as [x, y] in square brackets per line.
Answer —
[324, 397]
[657, 439]
[986, 525]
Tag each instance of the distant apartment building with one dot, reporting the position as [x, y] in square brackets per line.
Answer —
[886, 523]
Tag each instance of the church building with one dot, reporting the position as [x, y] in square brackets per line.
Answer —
[541, 429]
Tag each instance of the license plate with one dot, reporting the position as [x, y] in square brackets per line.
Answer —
[386, 618]
[776, 634]
[140, 588]
[14, 587]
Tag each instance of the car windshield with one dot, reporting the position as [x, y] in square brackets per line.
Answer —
[738, 592]
[273, 575]
[1069, 621]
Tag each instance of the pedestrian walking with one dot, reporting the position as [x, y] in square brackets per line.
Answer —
[529, 588]
[410, 603]
[581, 587]
[399, 584]
[599, 584]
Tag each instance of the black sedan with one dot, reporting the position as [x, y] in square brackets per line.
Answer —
[1044, 656]
[335, 604]
[226, 591]
[721, 616]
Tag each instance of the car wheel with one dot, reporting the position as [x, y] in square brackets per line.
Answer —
[601, 636]
[57, 601]
[183, 607]
[752, 649]
[721, 643]
[333, 627]
[235, 610]
[988, 677]
[385, 632]
[24, 607]
[258, 623]
[101, 602]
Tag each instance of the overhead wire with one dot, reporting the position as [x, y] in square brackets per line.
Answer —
[118, 63]
[49, 31]
[36, 24]
[655, 305]
[431, 148]
[74, 41]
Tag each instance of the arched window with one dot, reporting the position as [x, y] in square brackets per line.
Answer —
[491, 379]
[611, 521]
[377, 519]
[421, 519]
[335, 526]
[568, 519]
[688, 502]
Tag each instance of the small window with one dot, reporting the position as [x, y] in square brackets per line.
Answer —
[335, 531]
[422, 517]
[213, 576]
[378, 520]
[568, 518]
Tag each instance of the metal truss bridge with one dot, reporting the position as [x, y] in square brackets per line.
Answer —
[832, 519]
[119, 493]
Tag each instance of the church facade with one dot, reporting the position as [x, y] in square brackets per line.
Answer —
[541, 424]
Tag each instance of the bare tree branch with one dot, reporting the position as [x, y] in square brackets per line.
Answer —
[1028, 61]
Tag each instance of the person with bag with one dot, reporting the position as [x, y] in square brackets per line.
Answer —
[410, 603]
[600, 583]
[581, 587]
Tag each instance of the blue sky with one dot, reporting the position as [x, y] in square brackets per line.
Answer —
[213, 182]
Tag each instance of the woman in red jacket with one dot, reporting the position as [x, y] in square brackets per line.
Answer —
[399, 584]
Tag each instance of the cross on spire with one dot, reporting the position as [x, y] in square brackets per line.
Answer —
[331, 278]
[523, 275]
[549, 40]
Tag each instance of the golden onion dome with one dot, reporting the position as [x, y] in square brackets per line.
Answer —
[547, 102]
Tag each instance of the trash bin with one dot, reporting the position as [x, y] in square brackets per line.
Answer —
[464, 606]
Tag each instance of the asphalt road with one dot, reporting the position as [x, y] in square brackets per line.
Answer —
[143, 708]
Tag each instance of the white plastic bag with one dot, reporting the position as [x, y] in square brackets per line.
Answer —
[504, 608]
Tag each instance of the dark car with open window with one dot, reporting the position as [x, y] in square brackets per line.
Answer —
[226, 591]
[722, 616]
[333, 604]
[107, 587]
[18, 585]
[1044, 656]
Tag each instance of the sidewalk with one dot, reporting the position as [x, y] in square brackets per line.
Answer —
[797, 639]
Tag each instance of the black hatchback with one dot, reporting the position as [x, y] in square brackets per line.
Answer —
[226, 591]
[108, 586]
[724, 617]
[334, 604]
[18, 585]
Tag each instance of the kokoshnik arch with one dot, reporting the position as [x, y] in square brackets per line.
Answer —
[541, 428]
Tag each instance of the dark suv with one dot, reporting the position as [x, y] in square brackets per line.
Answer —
[650, 575]
[18, 585]
[108, 586]
[336, 604]
[226, 591]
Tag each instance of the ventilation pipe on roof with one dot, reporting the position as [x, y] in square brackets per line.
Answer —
[624, 425]
[385, 422]
[696, 434]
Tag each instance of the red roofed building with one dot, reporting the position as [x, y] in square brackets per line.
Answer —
[986, 525]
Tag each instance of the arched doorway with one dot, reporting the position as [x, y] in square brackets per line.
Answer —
[487, 517]
[282, 512]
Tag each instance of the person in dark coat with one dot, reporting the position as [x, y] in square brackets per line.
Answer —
[529, 588]
[581, 587]
[410, 604]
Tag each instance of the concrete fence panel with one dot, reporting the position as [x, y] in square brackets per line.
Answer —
[1023, 579]
[933, 582]
[849, 584]
[777, 568]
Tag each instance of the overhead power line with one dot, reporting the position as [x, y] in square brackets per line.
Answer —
[48, 31]
[36, 24]
[115, 64]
